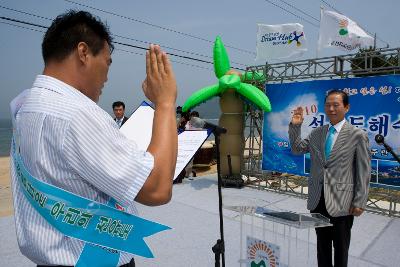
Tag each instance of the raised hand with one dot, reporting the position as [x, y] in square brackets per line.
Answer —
[297, 117]
[160, 84]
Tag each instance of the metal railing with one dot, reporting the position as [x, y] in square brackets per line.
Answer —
[376, 62]
[382, 199]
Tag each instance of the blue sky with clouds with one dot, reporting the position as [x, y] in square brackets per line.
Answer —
[142, 21]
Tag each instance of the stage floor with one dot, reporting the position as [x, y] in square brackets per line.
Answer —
[193, 216]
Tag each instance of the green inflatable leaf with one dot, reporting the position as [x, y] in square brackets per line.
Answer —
[201, 96]
[255, 95]
[254, 76]
[221, 59]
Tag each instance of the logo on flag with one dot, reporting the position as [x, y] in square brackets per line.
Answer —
[337, 30]
[296, 38]
[343, 23]
[280, 41]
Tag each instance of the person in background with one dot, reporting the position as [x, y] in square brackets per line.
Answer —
[119, 113]
[188, 125]
[189, 172]
[183, 121]
[185, 117]
[178, 116]
[339, 178]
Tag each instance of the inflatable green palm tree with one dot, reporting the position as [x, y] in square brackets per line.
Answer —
[231, 90]
[227, 81]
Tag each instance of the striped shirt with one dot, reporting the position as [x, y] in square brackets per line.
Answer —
[68, 141]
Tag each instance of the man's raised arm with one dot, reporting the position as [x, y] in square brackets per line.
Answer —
[160, 88]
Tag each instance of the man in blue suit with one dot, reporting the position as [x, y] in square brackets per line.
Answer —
[339, 177]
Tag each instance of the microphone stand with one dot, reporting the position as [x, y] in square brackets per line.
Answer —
[219, 247]
[390, 150]
[380, 140]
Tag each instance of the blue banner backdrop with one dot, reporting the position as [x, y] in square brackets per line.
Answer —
[374, 107]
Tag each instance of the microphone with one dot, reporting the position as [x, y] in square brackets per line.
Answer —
[380, 140]
[199, 123]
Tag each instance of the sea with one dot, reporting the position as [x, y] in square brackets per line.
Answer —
[5, 137]
[209, 111]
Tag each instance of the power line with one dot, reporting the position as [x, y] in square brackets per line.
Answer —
[22, 27]
[23, 12]
[123, 37]
[23, 22]
[301, 11]
[176, 55]
[329, 5]
[123, 44]
[171, 48]
[179, 62]
[290, 12]
[158, 26]
[117, 49]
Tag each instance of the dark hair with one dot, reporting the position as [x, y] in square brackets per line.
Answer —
[345, 97]
[70, 28]
[186, 115]
[194, 114]
[118, 104]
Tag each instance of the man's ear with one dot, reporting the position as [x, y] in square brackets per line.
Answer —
[83, 52]
[347, 108]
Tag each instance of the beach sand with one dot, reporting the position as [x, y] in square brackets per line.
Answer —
[6, 207]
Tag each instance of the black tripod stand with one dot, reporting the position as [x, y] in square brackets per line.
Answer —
[219, 247]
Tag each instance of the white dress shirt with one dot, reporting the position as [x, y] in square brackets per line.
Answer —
[68, 141]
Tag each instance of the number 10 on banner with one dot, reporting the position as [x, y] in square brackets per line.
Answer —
[308, 110]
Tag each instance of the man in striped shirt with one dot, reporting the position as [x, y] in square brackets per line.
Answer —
[339, 175]
[68, 141]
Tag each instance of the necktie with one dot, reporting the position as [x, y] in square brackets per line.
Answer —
[329, 141]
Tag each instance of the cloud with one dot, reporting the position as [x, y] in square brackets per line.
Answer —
[279, 121]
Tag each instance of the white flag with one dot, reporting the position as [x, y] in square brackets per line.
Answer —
[339, 31]
[280, 41]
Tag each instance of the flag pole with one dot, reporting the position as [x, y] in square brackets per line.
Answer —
[319, 32]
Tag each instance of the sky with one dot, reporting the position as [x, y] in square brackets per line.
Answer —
[186, 28]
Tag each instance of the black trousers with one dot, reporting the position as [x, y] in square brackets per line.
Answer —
[130, 264]
[339, 234]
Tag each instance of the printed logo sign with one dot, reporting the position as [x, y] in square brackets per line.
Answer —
[261, 253]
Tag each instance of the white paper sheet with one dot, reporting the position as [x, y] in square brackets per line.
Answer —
[139, 126]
